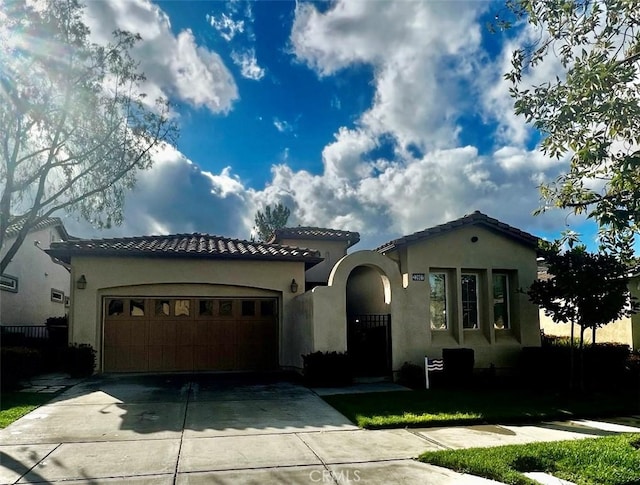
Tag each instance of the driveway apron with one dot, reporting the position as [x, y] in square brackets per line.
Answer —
[187, 429]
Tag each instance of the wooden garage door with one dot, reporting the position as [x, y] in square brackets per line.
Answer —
[190, 334]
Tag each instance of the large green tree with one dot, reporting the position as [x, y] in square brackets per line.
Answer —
[587, 106]
[75, 123]
[270, 220]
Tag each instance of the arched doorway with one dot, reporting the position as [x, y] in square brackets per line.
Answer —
[368, 295]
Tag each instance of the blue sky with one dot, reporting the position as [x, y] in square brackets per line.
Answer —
[374, 116]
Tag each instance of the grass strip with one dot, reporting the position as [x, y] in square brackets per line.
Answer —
[14, 405]
[611, 460]
[445, 407]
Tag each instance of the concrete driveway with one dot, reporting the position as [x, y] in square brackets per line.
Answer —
[206, 429]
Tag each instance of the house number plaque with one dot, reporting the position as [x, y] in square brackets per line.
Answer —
[417, 276]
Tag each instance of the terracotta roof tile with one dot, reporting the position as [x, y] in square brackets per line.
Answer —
[183, 245]
[476, 218]
[18, 222]
[316, 233]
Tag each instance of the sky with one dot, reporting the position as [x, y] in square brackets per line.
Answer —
[379, 116]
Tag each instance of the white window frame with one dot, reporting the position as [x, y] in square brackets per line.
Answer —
[9, 283]
[446, 301]
[57, 296]
[507, 298]
[477, 279]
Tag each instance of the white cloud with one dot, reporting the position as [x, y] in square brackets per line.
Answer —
[226, 26]
[425, 57]
[248, 64]
[175, 65]
[176, 196]
[282, 126]
[420, 51]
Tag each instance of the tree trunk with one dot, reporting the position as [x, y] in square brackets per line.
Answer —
[581, 375]
[571, 366]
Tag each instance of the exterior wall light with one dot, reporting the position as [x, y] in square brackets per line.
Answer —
[294, 286]
[81, 284]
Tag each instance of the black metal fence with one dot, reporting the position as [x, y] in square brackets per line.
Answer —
[36, 336]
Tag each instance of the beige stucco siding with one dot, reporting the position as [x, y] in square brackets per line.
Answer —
[37, 275]
[455, 253]
[156, 277]
[331, 251]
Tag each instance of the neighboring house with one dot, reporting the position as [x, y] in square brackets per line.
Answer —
[200, 302]
[34, 287]
[625, 330]
[331, 243]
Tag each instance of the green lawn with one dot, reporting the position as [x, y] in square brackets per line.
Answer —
[14, 405]
[617, 462]
[450, 407]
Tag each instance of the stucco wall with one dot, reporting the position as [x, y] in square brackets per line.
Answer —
[331, 251]
[37, 274]
[625, 330]
[408, 300]
[455, 252]
[179, 277]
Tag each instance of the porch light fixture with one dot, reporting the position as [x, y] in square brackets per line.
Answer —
[81, 284]
[294, 286]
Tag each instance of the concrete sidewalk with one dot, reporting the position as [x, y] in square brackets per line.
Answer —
[200, 429]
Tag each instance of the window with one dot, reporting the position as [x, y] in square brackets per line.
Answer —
[500, 301]
[182, 308]
[162, 308]
[136, 308]
[248, 308]
[9, 283]
[438, 301]
[115, 308]
[226, 308]
[469, 284]
[205, 308]
[267, 308]
[57, 296]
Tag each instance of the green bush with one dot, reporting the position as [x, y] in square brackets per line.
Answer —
[412, 376]
[606, 365]
[18, 364]
[79, 360]
[327, 369]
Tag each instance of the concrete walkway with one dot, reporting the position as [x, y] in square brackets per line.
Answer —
[203, 429]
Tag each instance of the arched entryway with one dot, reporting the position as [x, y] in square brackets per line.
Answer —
[368, 298]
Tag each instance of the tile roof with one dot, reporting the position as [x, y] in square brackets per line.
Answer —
[18, 223]
[475, 219]
[316, 233]
[183, 246]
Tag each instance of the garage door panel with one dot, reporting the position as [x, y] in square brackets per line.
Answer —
[228, 334]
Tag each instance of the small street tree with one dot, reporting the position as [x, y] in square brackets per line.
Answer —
[270, 220]
[585, 289]
[75, 126]
[586, 105]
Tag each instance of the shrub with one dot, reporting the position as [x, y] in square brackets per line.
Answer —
[412, 376]
[18, 364]
[327, 369]
[605, 364]
[58, 321]
[79, 360]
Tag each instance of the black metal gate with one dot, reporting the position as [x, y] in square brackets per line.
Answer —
[369, 345]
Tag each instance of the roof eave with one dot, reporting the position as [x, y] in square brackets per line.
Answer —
[66, 255]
